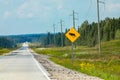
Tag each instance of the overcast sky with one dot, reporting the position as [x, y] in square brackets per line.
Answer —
[38, 16]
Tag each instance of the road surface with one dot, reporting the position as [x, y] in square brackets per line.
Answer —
[21, 65]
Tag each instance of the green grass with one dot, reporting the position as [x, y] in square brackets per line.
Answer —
[4, 50]
[87, 60]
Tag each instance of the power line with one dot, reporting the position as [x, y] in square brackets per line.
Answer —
[103, 10]
[89, 8]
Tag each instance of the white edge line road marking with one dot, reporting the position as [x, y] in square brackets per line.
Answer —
[38, 65]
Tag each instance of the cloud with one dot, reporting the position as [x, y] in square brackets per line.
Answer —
[113, 7]
[30, 15]
[21, 11]
[33, 8]
[6, 14]
[38, 8]
[5, 2]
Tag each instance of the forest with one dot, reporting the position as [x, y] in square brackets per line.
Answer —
[11, 41]
[7, 43]
[109, 30]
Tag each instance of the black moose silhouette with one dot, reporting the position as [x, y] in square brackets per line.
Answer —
[72, 34]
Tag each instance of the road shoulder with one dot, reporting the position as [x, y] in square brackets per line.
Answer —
[58, 72]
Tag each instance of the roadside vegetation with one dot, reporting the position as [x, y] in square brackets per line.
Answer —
[87, 59]
[6, 45]
[5, 50]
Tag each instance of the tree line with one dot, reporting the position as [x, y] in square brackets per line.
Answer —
[7, 42]
[109, 30]
[12, 40]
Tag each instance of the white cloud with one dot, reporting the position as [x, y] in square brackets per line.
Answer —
[27, 9]
[38, 8]
[6, 14]
[60, 7]
[33, 8]
[30, 15]
[5, 2]
[21, 11]
[113, 7]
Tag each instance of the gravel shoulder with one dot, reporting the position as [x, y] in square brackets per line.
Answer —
[58, 72]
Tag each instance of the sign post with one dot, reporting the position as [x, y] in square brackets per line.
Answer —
[72, 35]
[72, 53]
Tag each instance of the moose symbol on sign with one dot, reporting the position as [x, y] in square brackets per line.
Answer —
[72, 34]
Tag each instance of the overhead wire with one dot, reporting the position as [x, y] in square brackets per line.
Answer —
[102, 14]
[89, 8]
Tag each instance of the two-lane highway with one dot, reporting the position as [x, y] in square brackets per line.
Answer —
[21, 65]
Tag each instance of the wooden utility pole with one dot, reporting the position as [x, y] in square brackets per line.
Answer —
[54, 34]
[73, 19]
[73, 43]
[98, 15]
[61, 21]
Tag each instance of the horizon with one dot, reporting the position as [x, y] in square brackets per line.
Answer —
[47, 32]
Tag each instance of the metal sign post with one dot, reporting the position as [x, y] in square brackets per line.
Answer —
[72, 52]
[72, 35]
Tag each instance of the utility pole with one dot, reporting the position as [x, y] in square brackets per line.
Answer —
[73, 15]
[99, 45]
[98, 14]
[61, 21]
[73, 19]
[54, 34]
[73, 43]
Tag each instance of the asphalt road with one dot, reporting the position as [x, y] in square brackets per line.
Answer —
[21, 65]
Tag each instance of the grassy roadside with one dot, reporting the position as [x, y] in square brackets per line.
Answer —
[87, 60]
[5, 50]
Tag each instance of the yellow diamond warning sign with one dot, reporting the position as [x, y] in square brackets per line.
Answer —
[72, 34]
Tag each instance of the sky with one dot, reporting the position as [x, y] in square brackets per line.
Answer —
[38, 16]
